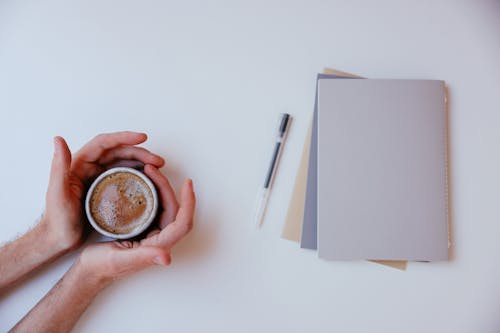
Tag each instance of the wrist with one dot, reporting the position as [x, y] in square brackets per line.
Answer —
[29, 252]
[45, 233]
[55, 237]
[89, 276]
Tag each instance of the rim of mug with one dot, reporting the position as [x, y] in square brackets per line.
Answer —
[140, 228]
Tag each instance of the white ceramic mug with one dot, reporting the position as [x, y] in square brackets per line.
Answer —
[140, 228]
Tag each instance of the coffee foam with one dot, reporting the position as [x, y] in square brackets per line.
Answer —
[121, 202]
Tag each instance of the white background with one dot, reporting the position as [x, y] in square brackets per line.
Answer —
[206, 80]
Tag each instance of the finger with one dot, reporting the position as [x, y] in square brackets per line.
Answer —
[61, 163]
[141, 257]
[153, 232]
[93, 150]
[166, 194]
[184, 221]
[125, 164]
[131, 153]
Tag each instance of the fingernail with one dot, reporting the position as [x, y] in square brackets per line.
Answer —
[56, 146]
[158, 261]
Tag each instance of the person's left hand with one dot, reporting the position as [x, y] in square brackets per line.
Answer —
[112, 260]
[64, 216]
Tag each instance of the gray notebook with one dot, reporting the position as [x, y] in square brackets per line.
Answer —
[308, 237]
[382, 170]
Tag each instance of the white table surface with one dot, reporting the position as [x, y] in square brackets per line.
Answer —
[206, 80]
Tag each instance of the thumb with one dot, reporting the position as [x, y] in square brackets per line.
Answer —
[61, 163]
[183, 223]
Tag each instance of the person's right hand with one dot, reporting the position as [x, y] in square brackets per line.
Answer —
[64, 215]
[112, 260]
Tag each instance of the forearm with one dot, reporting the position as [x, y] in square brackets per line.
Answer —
[61, 308]
[27, 253]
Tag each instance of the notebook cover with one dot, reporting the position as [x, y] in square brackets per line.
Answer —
[382, 178]
[308, 238]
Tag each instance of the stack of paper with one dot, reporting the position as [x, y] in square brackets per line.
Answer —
[372, 183]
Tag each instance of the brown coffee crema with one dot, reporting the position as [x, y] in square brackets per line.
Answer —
[121, 202]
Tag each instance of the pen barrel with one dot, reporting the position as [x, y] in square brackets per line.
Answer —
[272, 166]
[261, 207]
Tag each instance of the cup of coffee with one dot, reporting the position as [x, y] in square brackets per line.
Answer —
[121, 203]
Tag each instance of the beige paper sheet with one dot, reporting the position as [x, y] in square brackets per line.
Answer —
[293, 223]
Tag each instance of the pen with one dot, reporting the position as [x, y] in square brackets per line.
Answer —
[284, 124]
